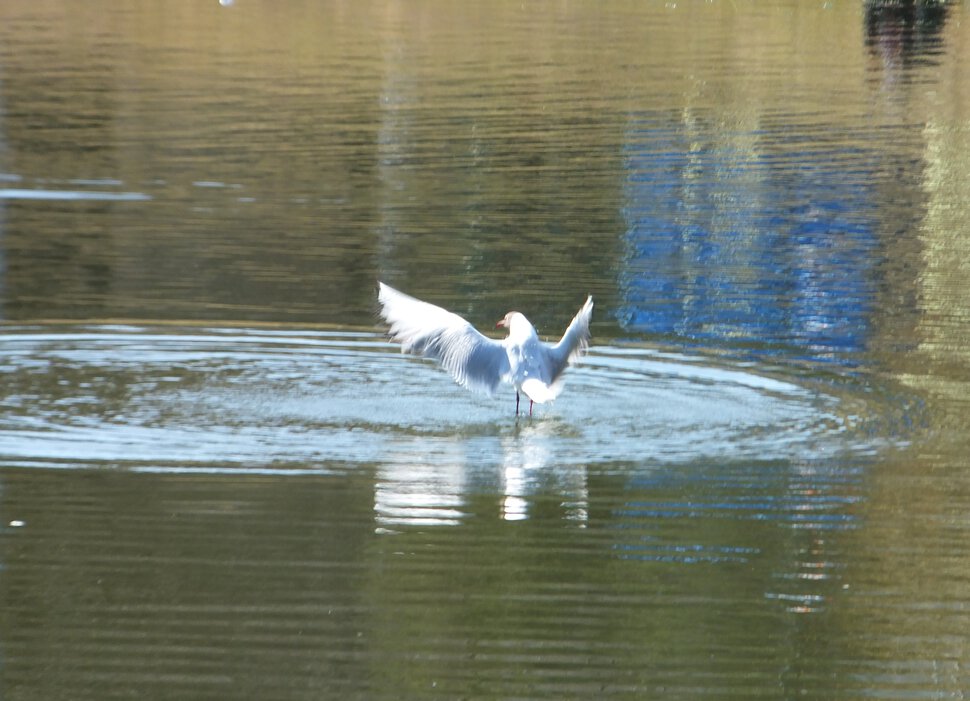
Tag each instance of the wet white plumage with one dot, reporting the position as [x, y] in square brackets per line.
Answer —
[481, 363]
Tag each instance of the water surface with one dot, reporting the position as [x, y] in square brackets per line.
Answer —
[219, 480]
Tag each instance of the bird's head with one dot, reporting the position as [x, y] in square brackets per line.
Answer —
[517, 325]
[506, 321]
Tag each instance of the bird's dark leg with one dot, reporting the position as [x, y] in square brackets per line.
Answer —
[530, 407]
[516, 403]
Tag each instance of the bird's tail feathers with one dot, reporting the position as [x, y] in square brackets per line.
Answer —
[539, 391]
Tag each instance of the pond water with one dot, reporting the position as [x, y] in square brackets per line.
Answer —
[218, 479]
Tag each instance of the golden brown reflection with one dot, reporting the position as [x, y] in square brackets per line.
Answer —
[346, 138]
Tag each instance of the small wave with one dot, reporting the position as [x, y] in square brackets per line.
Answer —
[227, 399]
[98, 195]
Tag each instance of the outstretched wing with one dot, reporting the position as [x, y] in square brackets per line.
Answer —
[475, 361]
[573, 343]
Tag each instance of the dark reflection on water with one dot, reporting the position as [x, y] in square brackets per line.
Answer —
[754, 486]
[909, 31]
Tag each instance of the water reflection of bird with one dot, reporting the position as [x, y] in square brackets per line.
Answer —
[478, 362]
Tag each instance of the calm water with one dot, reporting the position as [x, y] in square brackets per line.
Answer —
[218, 480]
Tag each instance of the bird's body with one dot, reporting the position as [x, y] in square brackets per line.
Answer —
[481, 363]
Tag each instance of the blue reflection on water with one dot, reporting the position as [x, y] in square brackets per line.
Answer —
[748, 238]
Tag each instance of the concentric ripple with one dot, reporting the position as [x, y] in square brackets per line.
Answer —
[217, 399]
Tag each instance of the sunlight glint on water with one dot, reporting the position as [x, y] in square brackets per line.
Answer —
[772, 506]
[213, 400]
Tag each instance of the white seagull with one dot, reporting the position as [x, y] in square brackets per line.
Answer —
[480, 363]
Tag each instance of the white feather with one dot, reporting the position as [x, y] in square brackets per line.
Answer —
[475, 361]
[478, 362]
